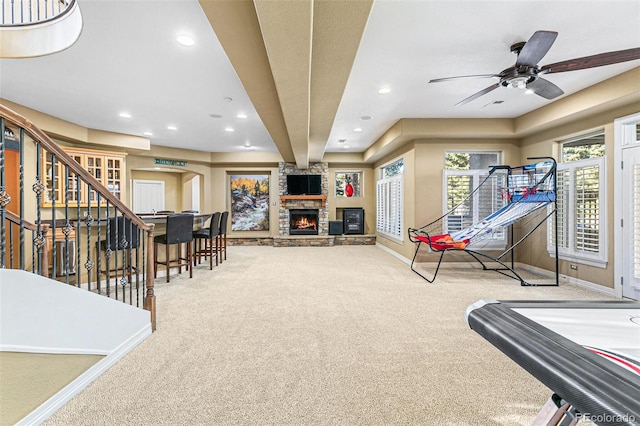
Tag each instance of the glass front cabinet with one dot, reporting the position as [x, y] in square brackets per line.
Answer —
[107, 167]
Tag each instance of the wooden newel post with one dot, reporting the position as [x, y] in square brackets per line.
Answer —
[150, 297]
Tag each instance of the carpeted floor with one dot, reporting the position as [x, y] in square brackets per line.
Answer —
[343, 335]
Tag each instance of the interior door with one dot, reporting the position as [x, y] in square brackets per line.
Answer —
[631, 223]
[148, 196]
[12, 239]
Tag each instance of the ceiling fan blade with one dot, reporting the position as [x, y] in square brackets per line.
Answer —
[439, 80]
[535, 49]
[600, 60]
[477, 95]
[545, 88]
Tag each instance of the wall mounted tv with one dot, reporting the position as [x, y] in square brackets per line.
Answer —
[304, 184]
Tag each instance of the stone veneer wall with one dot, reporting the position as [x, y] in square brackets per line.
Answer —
[285, 169]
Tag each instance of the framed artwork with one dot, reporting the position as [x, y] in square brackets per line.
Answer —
[348, 184]
[249, 202]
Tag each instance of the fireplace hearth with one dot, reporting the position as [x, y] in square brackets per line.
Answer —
[303, 222]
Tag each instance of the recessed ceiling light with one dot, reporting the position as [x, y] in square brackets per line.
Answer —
[241, 115]
[215, 116]
[357, 129]
[365, 117]
[228, 99]
[228, 129]
[185, 40]
[148, 134]
[125, 114]
[172, 128]
[384, 90]
[342, 140]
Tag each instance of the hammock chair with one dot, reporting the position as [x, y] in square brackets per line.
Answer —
[507, 195]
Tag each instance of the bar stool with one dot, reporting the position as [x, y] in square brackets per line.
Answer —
[208, 236]
[179, 231]
[222, 236]
[121, 235]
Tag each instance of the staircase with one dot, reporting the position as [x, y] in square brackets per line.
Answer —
[31, 28]
[57, 220]
[63, 289]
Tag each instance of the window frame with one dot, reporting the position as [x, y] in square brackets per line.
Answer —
[350, 172]
[499, 240]
[391, 189]
[567, 250]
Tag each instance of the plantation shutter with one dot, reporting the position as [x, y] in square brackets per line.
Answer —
[580, 197]
[562, 197]
[587, 209]
[636, 220]
[389, 206]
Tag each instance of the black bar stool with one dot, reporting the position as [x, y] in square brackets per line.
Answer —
[222, 242]
[179, 231]
[121, 235]
[208, 236]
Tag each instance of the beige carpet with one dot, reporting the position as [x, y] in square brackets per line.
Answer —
[343, 335]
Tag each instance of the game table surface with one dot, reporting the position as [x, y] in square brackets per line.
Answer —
[586, 352]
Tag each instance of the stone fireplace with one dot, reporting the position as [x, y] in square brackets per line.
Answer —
[303, 202]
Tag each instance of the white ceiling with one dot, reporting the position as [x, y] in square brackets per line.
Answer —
[127, 59]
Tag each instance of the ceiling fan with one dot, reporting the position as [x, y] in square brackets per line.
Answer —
[527, 74]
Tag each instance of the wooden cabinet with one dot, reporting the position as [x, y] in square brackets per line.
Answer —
[107, 167]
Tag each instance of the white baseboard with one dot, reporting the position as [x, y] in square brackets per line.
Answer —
[53, 404]
[394, 253]
[590, 286]
[534, 269]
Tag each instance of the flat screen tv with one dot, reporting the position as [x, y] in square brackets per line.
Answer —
[304, 184]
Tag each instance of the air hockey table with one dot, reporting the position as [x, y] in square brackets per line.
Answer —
[586, 352]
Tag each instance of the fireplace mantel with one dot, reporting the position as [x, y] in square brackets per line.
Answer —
[321, 198]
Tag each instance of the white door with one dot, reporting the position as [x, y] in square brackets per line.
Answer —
[148, 196]
[631, 223]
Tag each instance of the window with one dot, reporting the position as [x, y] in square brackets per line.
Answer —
[464, 171]
[389, 201]
[581, 202]
[393, 169]
[348, 184]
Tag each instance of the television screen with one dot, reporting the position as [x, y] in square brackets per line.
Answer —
[315, 185]
[304, 184]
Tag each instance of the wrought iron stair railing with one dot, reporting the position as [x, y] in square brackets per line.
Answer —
[30, 28]
[83, 234]
[29, 12]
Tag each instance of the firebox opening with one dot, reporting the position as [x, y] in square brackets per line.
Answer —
[303, 222]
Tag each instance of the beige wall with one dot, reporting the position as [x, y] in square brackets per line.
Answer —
[423, 180]
[424, 164]
[420, 142]
[547, 143]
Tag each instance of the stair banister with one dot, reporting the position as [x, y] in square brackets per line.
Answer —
[13, 118]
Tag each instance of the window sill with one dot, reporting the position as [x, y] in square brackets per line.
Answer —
[589, 261]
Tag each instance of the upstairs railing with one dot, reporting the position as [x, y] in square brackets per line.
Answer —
[30, 28]
[58, 220]
[29, 12]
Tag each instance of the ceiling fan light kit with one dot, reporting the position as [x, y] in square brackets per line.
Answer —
[526, 74]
